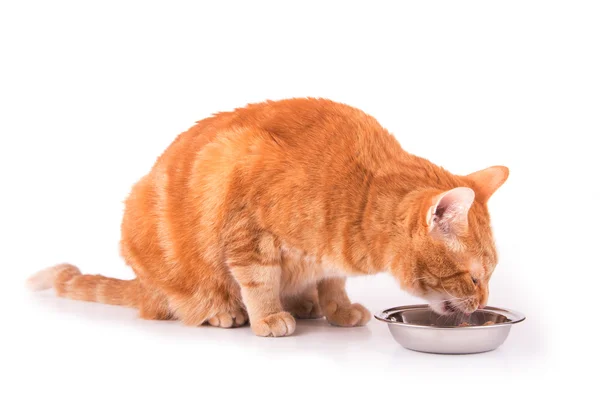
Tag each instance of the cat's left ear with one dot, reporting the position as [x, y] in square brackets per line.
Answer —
[486, 182]
[449, 213]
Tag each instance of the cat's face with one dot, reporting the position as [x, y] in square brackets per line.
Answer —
[454, 254]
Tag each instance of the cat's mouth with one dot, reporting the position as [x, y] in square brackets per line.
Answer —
[448, 307]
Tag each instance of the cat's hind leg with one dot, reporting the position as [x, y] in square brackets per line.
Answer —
[229, 319]
[304, 305]
[154, 305]
[197, 310]
[214, 301]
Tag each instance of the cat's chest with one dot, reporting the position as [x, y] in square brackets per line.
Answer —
[298, 266]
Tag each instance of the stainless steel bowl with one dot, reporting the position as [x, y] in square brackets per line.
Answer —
[417, 327]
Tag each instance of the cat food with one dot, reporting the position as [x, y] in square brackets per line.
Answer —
[463, 324]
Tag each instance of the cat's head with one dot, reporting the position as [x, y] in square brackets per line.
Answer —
[453, 251]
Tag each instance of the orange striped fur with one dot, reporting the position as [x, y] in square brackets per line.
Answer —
[260, 214]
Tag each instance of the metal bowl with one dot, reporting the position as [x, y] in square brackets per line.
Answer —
[418, 328]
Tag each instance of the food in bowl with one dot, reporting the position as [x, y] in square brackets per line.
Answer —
[487, 323]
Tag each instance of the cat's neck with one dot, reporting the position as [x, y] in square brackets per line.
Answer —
[394, 214]
[384, 232]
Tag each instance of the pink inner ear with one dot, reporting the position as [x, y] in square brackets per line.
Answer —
[451, 210]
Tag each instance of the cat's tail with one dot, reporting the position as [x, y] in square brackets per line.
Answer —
[68, 282]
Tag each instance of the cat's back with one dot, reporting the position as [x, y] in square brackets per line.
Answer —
[297, 136]
[298, 122]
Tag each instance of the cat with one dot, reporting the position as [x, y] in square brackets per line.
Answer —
[260, 214]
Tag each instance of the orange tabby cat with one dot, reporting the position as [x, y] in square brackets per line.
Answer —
[262, 213]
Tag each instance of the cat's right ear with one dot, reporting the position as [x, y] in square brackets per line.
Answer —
[448, 214]
[487, 181]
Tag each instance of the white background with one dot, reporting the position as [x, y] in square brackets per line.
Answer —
[90, 95]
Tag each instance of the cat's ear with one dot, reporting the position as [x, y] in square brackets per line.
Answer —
[450, 211]
[486, 182]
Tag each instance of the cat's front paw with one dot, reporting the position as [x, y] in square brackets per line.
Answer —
[279, 324]
[347, 315]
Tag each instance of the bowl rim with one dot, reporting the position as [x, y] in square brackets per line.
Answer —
[515, 316]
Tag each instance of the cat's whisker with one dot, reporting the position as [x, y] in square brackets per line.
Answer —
[442, 284]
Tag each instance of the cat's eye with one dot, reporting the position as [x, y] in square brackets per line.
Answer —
[475, 281]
